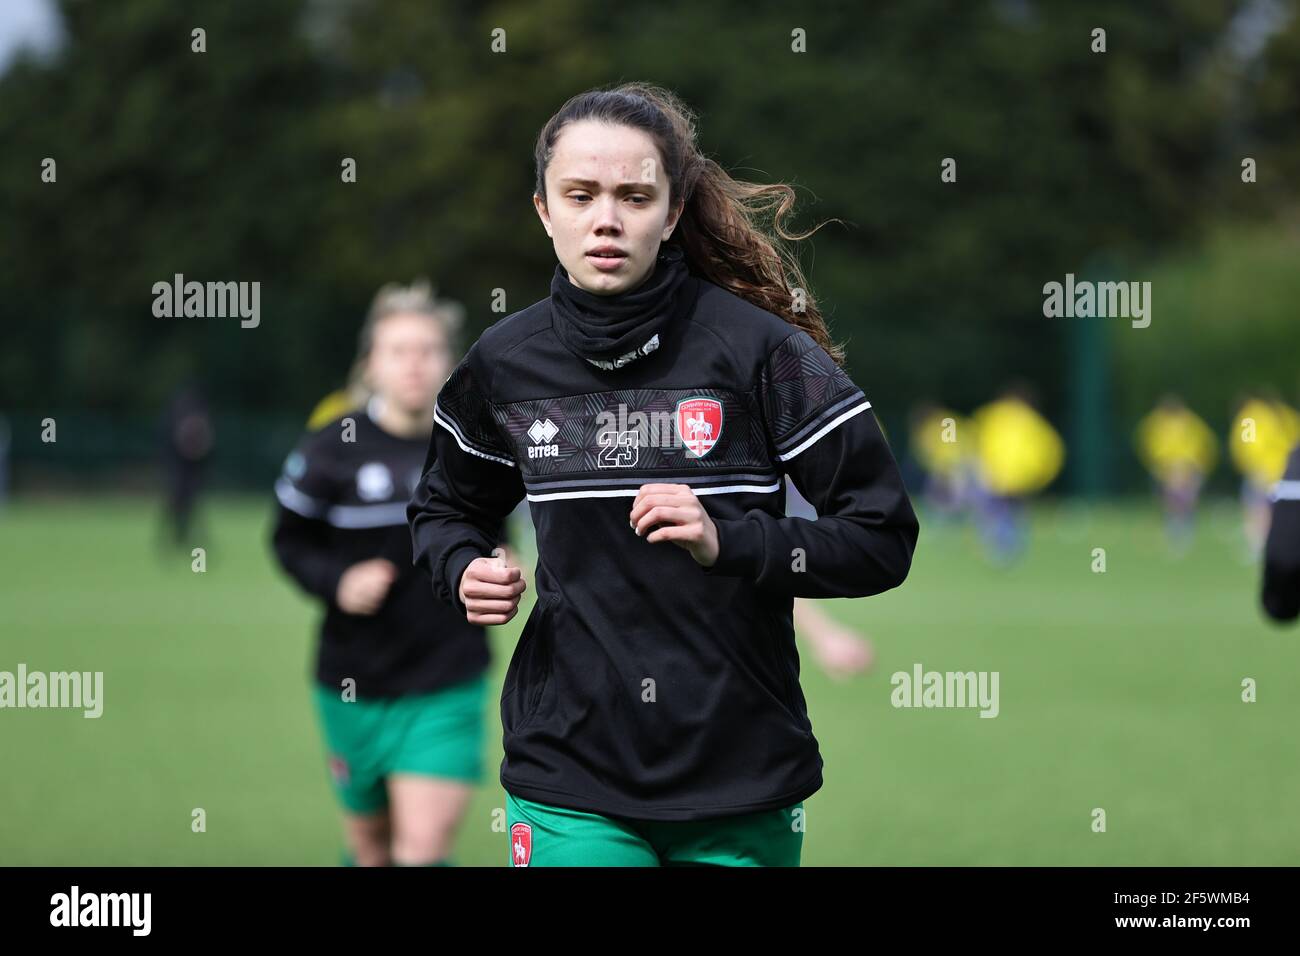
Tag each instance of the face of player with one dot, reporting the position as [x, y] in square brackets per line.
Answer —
[409, 359]
[606, 193]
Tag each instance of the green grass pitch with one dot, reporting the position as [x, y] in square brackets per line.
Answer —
[1118, 690]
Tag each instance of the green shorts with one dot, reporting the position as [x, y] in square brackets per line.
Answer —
[436, 735]
[543, 835]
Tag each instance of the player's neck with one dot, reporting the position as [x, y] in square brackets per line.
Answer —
[398, 421]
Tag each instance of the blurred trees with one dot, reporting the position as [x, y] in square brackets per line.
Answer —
[225, 165]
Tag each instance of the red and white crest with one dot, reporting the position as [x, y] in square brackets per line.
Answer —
[521, 844]
[699, 425]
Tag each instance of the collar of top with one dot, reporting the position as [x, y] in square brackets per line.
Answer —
[609, 331]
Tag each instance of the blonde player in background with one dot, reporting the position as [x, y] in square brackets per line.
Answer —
[401, 680]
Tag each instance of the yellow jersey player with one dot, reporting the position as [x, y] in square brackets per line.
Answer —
[1263, 433]
[1179, 450]
[1017, 453]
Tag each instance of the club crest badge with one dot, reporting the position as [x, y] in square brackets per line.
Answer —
[699, 425]
[374, 482]
[521, 844]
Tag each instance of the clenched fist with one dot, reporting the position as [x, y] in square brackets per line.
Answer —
[363, 587]
[490, 589]
[680, 517]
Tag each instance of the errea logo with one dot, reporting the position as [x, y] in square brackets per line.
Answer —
[541, 433]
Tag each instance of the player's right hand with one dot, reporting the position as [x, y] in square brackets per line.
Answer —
[363, 587]
[490, 590]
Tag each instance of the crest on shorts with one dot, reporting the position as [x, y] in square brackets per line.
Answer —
[521, 844]
[699, 425]
[339, 770]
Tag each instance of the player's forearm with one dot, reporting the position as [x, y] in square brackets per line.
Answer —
[1280, 594]
[447, 534]
[305, 556]
[834, 556]
[444, 547]
[863, 541]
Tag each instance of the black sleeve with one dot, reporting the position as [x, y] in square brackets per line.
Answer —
[470, 484]
[1281, 590]
[823, 433]
[301, 538]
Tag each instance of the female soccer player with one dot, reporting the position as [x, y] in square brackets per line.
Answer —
[401, 677]
[648, 409]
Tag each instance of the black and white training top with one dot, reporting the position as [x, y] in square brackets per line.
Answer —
[643, 684]
[344, 501]
[1280, 592]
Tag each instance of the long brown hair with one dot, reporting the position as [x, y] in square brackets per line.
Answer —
[733, 232]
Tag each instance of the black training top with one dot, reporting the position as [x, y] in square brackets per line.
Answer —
[343, 501]
[1281, 588]
[643, 684]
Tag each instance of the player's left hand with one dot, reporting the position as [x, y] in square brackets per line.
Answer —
[680, 517]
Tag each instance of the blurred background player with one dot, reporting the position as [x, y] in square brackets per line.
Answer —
[1017, 453]
[353, 395]
[188, 438]
[337, 404]
[1263, 433]
[1178, 449]
[1281, 589]
[940, 446]
[400, 678]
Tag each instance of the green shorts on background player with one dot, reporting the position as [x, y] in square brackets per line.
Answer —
[437, 735]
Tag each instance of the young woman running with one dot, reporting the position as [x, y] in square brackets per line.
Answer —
[400, 677]
[648, 408]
